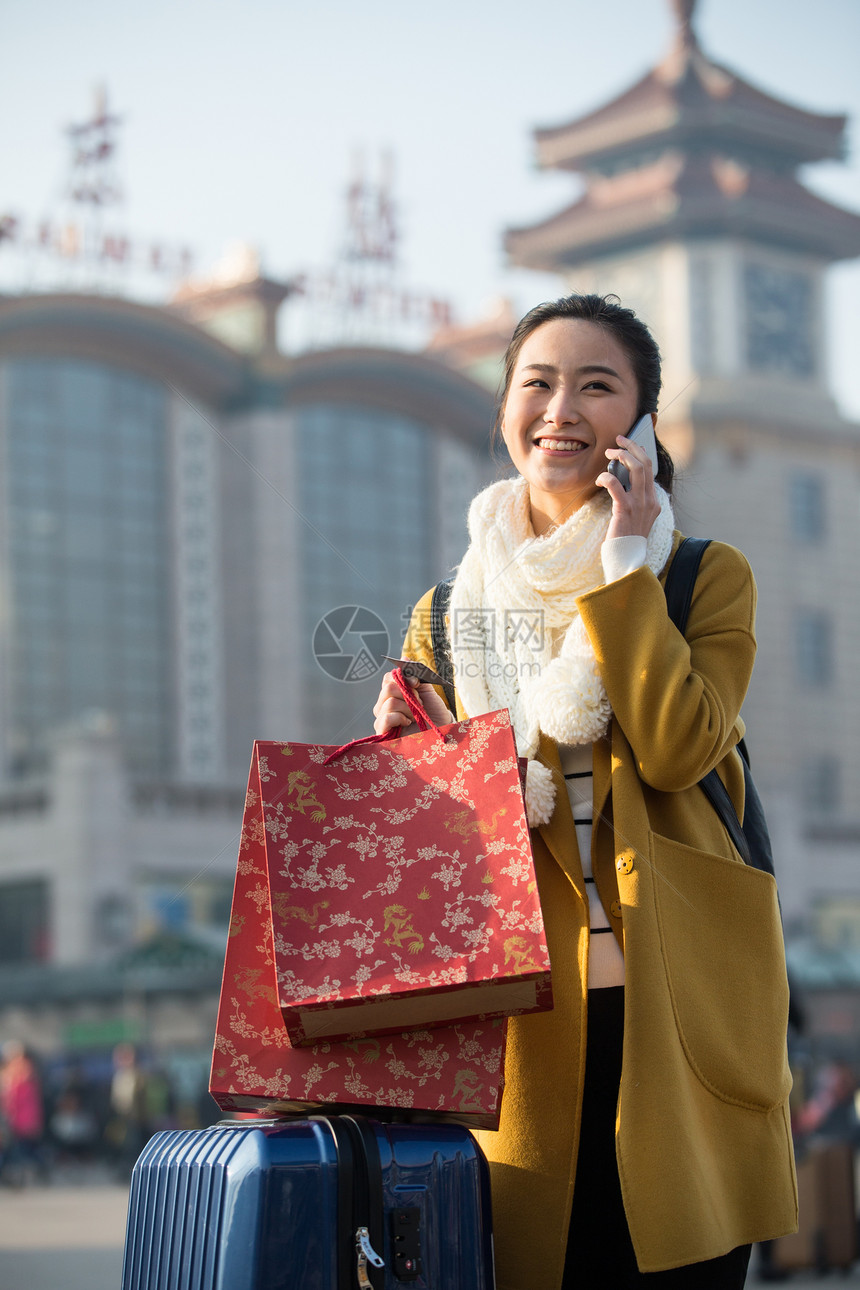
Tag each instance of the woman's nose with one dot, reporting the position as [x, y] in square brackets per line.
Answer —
[561, 409]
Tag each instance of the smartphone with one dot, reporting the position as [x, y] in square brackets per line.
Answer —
[643, 434]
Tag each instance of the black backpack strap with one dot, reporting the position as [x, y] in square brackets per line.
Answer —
[751, 840]
[441, 640]
[718, 795]
[755, 824]
[681, 579]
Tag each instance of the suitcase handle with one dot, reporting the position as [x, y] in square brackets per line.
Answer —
[418, 712]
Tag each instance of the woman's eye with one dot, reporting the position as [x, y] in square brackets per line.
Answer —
[536, 382]
[596, 385]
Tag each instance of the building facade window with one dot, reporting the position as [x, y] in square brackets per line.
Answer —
[807, 508]
[363, 481]
[85, 495]
[814, 647]
[24, 922]
[821, 790]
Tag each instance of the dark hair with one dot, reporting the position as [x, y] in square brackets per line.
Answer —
[633, 337]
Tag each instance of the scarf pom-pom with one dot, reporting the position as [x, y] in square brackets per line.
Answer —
[571, 704]
[540, 794]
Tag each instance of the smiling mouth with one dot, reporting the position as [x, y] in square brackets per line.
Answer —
[560, 445]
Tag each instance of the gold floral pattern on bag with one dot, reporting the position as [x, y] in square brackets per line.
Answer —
[452, 1071]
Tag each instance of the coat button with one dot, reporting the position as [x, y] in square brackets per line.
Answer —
[615, 909]
[624, 863]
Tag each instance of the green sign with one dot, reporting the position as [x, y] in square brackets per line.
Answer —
[102, 1034]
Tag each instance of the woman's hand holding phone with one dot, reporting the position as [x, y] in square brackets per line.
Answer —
[629, 480]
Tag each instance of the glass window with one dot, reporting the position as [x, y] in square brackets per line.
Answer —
[368, 501]
[89, 561]
[807, 507]
[821, 784]
[814, 647]
[24, 922]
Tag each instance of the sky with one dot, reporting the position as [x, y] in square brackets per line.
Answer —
[241, 121]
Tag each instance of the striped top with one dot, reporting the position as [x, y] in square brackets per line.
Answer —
[605, 959]
[619, 556]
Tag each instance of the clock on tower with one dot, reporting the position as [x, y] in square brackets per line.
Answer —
[778, 312]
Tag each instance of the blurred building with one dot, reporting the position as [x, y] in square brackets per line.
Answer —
[180, 507]
[477, 348]
[692, 211]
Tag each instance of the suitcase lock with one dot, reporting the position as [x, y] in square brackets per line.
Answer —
[365, 1254]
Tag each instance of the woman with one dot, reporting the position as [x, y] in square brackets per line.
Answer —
[644, 1136]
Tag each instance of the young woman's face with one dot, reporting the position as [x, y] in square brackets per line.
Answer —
[572, 392]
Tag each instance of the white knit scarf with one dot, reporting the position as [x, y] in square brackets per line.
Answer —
[517, 637]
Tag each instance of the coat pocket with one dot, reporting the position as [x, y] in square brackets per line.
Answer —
[722, 947]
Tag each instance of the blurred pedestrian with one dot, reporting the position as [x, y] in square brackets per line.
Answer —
[73, 1121]
[160, 1100]
[129, 1127]
[23, 1114]
[830, 1114]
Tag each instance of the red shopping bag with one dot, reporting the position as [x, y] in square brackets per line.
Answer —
[455, 1072]
[401, 880]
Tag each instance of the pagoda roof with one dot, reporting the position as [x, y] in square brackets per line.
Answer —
[683, 195]
[690, 150]
[688, 99]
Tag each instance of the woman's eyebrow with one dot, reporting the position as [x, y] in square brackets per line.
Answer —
[580, 371]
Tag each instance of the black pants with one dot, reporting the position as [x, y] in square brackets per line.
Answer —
[600, 1252]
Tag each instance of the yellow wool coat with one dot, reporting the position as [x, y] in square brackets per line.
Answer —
[702, 1135]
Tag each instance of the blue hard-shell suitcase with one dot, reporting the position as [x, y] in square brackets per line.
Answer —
[326, 1203]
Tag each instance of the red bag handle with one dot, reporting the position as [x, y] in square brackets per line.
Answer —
[418, 712]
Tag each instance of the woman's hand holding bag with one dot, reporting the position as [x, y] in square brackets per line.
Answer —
[391, 709]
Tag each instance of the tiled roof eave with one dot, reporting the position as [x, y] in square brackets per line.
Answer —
[586, 230]
[591, 140]
[657, 106]
[730, 128]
